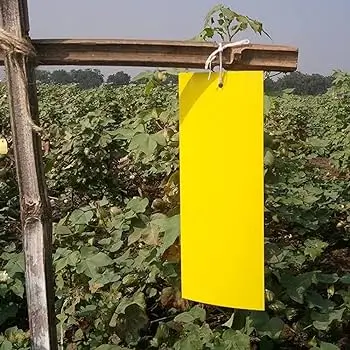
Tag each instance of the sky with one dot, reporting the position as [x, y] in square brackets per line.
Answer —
[319, 28]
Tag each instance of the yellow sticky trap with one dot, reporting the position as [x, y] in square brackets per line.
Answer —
[222, 189]
[3, 146]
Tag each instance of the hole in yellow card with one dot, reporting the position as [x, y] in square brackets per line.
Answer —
[222, 189]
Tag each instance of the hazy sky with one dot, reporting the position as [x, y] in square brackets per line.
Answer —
[320, 28]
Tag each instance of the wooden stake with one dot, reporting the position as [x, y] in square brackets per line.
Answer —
[35, 207]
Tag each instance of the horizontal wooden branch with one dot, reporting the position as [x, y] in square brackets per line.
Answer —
[172, 54]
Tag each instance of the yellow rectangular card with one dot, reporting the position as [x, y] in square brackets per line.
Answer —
[222, 189]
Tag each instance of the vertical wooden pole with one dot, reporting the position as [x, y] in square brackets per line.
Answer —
[34, 203]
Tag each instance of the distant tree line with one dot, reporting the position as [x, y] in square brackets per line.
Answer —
[302, 84]
[85, 78]
[90, 78]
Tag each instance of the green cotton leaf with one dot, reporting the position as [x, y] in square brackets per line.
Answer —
[138, 299]
[191, 342]
[110, 347]
[138, 205]
[124, 134]
[104, 140]
[317, 143]
[89, 265]
[143, 75]
[198, 313]
[150, 235]
[159, 138]
[345, 279]
[321, 321]
[171, 228]
[235, 340]
[327, 278]
[105, 278]
[61, 230]
[86, 252]
[60, 264]
[315, 300]
[100, 260]
[80, 217]
[314, 248]
[143, 143]
[269, 158]
[15, 264]
[328, 346]
[6, 345]
[87, 310]
[17, 288]
[71, 260]
[297, 285]
[259, 318]
[273, 328]
[131, 313]
[135, 236]
[185, 317]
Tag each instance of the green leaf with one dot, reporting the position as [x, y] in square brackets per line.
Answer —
[89, 265]
[273, 328]
[81, 217]
[137, 298]
[125, 134]
[143, 143]
[6, 345]
[324, 320]
[159, 138]
[315, 300]
[327, 278]
[328, 346]
[132, 317]
[15, 264]
[62, 230]
[17, 288]
[259, 318]
[185, 317]
[235, 340]
[105, 278]
[69, 258]
[171, 228]
[110, 347]
[314, 248]
[269, 158]
[345, 279]
[191, 342]
[198, 313]
[297, 286]
[138, 205]
[135, 236]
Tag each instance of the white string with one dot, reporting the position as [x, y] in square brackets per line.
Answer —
[219, 51]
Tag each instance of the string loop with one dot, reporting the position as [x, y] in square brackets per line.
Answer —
[221, 48]
[17, 50]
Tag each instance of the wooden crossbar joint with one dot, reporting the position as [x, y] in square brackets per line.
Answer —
[165, 54]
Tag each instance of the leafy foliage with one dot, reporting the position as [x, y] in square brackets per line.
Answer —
[111, 160]
[302, 84]
[84, 78]
[119, 78]
[117, 254]
[224, 23]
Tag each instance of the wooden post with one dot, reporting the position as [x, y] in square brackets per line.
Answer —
[34, 203]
